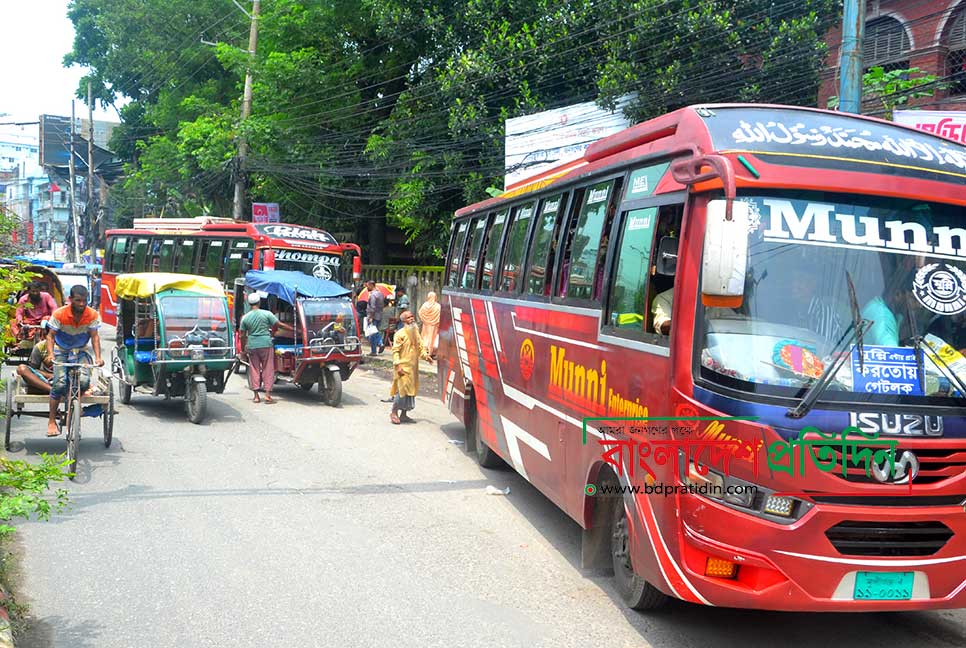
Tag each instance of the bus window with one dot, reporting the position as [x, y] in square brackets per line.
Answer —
[516, 244]
[473, 253]
[140, 257]
[581, 274]
[166, 255]
[542, 249]
[456, 253]
[240, 252]
[212, 258]
[495, 237]
[668, 225]
[118, 251]
[628, 305]
[185, 256]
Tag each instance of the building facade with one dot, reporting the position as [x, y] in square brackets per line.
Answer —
[901, 34]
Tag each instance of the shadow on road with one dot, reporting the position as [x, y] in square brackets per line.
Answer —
[54, 631]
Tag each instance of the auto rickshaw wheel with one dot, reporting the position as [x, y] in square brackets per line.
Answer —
[126, 392]
[196, 401]
[330, 387]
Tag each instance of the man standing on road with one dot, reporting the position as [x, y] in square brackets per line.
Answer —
[407, 349]
[256, 339]
[377, 302]
[71, 329]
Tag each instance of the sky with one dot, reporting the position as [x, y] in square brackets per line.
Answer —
[34, 37]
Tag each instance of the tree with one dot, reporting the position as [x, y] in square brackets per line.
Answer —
[883, 91]
[376, 112]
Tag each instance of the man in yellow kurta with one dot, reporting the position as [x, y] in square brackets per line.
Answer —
[407, 349]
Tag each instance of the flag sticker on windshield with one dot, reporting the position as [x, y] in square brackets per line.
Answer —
[940, 288]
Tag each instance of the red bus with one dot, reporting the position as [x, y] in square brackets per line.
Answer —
[222, 248]
[797, 275]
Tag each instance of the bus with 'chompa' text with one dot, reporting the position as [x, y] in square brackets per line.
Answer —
[222, 248]
[760, 310]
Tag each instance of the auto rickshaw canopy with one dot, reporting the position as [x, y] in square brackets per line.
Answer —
[147, 284]
[286, 284]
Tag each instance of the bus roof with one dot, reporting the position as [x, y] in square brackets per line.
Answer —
[289, 235]
[777, 137]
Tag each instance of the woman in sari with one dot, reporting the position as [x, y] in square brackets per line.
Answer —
[429, 316]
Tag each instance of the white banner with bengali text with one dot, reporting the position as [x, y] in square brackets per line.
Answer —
[946, 123]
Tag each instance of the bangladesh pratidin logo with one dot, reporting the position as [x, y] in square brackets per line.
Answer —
[526, 359]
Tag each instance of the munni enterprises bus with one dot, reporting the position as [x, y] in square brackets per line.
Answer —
[781, 234]
[222, 248]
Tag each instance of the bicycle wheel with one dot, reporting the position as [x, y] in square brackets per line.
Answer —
[107, 418]
[73, 433]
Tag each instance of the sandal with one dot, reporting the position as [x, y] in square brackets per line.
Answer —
[394, 418]
[270, 401]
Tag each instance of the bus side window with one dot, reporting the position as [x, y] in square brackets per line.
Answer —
[240, 251]
[491, 258]
[668, 224]
[581, 275]
[139, 259]
[628, 305]
[166, 255]
[185, 256]
[545, 235]
[118, 251]
[473, 253]
[212, 258]
[516, 239]
[456, 253]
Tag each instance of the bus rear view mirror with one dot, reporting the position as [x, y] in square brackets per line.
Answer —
[667, 256]
[725, 254]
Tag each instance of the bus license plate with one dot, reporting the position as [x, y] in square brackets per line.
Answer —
[883, 586]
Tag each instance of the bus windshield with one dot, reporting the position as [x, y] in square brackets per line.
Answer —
[907, 262]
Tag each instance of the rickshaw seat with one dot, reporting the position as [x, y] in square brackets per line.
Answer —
[143, 343]
[144, 356]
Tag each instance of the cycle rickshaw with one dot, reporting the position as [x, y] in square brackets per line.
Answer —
[324, 348]
[174, 338]
[19, 351]
[74, 407]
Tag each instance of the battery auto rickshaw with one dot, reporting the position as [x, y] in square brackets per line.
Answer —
[174, 338]
[324, 347]
[19, 351]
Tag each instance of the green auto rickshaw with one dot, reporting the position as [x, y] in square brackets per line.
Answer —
[174, 338]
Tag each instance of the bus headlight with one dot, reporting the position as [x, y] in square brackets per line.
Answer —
[743, 495]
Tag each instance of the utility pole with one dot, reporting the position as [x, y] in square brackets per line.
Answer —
[850, 61]
[75, 223]
[90, 174]
[246, 110]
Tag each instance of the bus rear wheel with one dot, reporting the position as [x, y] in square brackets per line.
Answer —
[636, 592]
[484, 455]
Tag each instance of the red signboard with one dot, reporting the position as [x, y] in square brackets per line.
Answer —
[265, 213]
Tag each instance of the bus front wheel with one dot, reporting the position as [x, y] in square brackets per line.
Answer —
[636, 592]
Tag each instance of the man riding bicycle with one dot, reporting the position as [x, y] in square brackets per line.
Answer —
[70, 329]
[32, 309]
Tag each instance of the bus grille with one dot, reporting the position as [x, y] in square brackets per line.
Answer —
[889, 538]
[935, 465]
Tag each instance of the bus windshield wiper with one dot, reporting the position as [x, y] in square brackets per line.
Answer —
[854, 333]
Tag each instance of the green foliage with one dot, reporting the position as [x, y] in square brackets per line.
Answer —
[25, 489]
[883, 92]
[373, 111]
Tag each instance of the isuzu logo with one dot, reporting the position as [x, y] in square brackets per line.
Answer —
[903, 470]
[898, 424]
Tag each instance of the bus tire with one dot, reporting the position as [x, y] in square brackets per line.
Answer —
[636, 592]
[484, 455]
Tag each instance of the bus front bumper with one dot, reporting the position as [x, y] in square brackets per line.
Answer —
[797, 567]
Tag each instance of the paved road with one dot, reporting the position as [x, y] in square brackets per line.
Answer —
[301, 525]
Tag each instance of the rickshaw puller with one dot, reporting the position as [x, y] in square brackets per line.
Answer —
[70, 330]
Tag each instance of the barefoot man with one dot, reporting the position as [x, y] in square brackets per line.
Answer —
[70, 330]
[407, 349]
